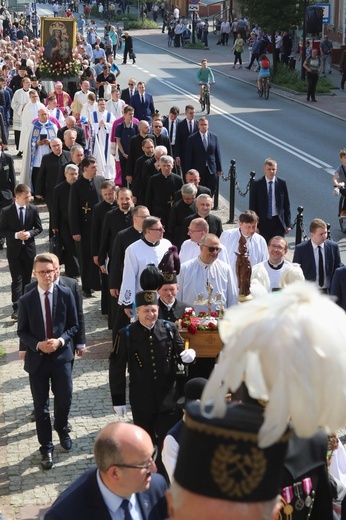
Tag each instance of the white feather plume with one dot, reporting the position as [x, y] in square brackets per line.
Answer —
[291, 348]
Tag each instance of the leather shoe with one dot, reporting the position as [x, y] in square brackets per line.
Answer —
[69, 427]
[65, 440]
[47, 461]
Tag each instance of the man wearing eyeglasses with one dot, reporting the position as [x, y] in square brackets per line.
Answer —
[127, 93]
[47, 323]
[185, 128]
[124, 485]
[207, 268]
[270, 272]
[148, 250]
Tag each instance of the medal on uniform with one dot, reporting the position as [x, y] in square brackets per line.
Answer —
[297, 491]
[287, 494]
[307, 488]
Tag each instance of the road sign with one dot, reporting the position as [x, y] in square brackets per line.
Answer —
[194, 7]
[326, 12]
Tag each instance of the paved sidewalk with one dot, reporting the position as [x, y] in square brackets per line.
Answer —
[25, 490]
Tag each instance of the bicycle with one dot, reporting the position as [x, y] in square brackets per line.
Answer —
[265, 86]
[205, 99]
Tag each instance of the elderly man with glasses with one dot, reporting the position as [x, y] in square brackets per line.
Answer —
[123, 485]
[207, 269]
[148, 250]
[127, 93]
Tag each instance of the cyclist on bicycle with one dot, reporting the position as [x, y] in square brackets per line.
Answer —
[204, 75]
[264, 71]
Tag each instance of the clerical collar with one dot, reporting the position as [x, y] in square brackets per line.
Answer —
[276, 267]
[151, 244]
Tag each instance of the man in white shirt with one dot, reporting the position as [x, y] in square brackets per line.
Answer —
[255, 244]
[115, 105]
[207, 269]
[82, 95]
[190, 249]
[148, 250]
[102, 122]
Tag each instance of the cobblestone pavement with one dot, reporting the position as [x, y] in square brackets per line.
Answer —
[25, 490]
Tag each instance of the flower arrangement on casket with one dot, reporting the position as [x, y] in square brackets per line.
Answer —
[203, 321]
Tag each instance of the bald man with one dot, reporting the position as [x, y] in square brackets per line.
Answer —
[123, 485]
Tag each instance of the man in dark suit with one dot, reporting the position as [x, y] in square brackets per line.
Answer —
[204, 204]
[143, 103]
[7, 183]
[127, 93]
[161, 190]
[126, 470]
[85, 193]
[71, 124]
[20, 223]
[185, 128]
[180, 210]
[171, 124]
[338, 286]
[135, 148]
[100, 211]
[60, 220]
[49, 172]
[269, 199]
[192, 177]
[203, 153]
[160, 138]
[318, 257]
[47, 323]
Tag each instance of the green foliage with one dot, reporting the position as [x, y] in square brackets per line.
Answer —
[2, 352]
[143, 24]
[288, 78]
[198, 46]
[273, 15]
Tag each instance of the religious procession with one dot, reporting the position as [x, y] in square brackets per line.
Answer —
[226, 371]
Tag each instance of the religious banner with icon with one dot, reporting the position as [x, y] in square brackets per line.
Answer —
[58, 39]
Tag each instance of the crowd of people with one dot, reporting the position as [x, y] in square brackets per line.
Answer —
[129, 195]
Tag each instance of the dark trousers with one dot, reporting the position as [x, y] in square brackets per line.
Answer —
[123, 162]
[70, 259]
[34, 175]
[60, 379]
[21, 272]
[90, 272]
[312, 82]
[237, 57]
[208, 180]
[271, 228]
[224, 38]
[253, 58]
[17, 138]
[157, 425]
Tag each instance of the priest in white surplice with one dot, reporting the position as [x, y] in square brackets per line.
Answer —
[256, 245]
[190, 249]
[115, 104]
[148, 250]
[102, 122]
[29, 113]
[195, 274]
[19, 101]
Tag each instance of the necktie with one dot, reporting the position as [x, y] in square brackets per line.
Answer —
[171, 132]
[205, 144]
[270, 200]
[131, 93]
[190, 123]
[125, 506]
[49, 326]
[142, 99]
[320, 267]
[21, 216]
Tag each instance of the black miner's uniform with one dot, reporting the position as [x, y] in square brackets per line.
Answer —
[151, 359]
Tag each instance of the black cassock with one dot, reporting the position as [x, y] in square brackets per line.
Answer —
[160, 195]
[84, 195]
